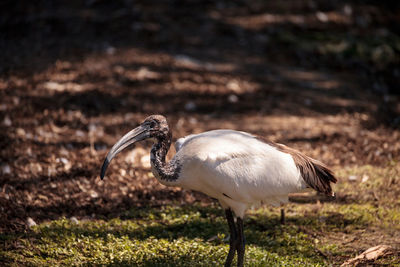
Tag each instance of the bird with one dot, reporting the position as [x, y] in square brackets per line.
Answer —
[237, 168]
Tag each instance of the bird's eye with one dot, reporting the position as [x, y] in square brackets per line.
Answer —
[152, 124]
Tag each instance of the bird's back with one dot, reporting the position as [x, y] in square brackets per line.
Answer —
[237, 165]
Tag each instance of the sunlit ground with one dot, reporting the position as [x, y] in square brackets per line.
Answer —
[315, 233]
[319, 76]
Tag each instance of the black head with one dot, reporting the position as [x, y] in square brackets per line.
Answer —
[154, 126]
[157, 126]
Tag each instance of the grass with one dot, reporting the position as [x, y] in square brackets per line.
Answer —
[314, 235]
[172, 236]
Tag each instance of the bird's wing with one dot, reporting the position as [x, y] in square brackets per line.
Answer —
[239, 164]
[316, 174]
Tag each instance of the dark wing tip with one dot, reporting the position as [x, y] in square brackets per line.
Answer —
[323, 177]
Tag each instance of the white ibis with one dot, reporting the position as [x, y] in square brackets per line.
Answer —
[236, 168]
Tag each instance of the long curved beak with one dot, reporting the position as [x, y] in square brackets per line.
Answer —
[138, 134]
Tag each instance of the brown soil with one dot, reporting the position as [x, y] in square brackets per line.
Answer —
[77, 75]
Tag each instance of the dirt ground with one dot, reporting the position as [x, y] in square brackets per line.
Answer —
[319, 76]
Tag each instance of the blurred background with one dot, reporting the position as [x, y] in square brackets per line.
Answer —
[320, 76]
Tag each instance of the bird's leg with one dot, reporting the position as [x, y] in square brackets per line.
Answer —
[240, 245]
[233, 237]
[282, 216]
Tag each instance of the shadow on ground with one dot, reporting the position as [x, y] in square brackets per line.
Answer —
[75, 75]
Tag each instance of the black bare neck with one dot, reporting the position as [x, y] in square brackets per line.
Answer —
[165, 171]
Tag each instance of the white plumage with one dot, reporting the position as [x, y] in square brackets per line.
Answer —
[237, 168]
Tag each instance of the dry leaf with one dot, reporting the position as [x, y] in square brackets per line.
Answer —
[369, 255]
